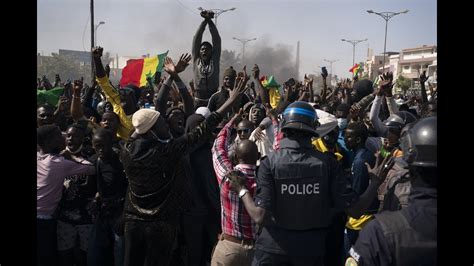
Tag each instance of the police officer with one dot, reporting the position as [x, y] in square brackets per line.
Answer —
[297, 187]
[408, 236]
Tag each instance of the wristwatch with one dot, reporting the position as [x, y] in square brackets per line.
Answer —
[242, 192]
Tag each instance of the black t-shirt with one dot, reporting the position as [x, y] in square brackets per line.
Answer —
[77, 196]
[111, 179]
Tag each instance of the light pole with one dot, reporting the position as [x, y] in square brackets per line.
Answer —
[330, 62]
[217, 12]
[387, 16]
[95, 31]
[243, 41]
[92, 39]
[353, 42]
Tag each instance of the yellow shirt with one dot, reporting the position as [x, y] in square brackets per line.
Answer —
[319, 145]
[358, 224]
[126, 127]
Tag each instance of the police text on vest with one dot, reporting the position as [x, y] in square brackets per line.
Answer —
[300, 189]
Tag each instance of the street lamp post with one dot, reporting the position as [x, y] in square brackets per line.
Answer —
[95, 31]
[243, 41]
[217, 12]
[354, 43]
[386, 16]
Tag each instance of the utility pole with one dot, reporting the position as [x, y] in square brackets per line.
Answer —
[243, 41]
[386, 16]
[298, 59]
[92, 40]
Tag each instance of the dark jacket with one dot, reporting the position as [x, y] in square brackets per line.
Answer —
[158, 187]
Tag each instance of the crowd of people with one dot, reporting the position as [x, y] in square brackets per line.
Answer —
[238, 171]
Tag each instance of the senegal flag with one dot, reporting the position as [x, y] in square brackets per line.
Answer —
[355, 69]
[273, 90]
[137, 70]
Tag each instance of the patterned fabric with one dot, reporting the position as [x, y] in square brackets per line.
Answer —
[158, 187]
[235, 220]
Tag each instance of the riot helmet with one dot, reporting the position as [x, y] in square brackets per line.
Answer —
[399, 120]
[419, 143]
[300, 116]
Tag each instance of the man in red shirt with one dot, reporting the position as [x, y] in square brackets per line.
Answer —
[236, 243]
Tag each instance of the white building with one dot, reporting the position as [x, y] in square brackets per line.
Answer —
[414, 61]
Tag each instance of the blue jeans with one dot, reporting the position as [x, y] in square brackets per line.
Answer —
[119, 250]
[105, 247]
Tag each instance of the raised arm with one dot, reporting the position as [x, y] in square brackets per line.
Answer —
[423, 79]
[76, 106]
[216, 39]
[325, 87]
[308, 82]
[374, 116]
[198, 39]
[187, 98]
[220, 154]
[112, 95]
[260, 89]
[162, 97]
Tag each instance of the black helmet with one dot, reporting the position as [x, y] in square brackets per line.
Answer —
[399, 120]
[300, 116]
[419, 144]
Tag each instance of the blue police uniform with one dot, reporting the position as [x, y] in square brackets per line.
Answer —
[299, 186]
[405, 237]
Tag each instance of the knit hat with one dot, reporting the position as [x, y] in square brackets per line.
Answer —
[230, 72]
[204, 111]
[144, 119]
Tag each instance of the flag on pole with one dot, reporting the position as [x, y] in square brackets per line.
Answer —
[137, 70]
[355, 69]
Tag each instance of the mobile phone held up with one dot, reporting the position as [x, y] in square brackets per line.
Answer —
[324, 71]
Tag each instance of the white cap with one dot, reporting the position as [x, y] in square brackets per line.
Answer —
[204, 111]
[144, 119]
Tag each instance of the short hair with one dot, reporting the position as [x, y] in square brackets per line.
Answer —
[47, 107]
[104, 134]
[45, 133]
[360, 130]
[79, 126]
[246, 123]
[206, 43]
[112, 112]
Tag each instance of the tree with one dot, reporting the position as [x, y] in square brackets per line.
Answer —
[66, 66]
[403, 83]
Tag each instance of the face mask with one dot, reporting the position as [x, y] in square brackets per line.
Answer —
[342, 123]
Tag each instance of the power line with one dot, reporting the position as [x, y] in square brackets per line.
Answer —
[187, 8]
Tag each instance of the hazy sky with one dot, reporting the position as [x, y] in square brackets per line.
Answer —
[137, 27]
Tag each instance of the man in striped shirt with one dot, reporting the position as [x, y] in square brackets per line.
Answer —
[236, 243]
